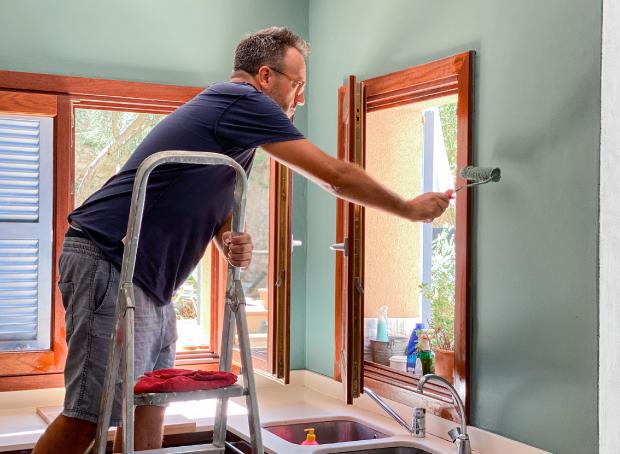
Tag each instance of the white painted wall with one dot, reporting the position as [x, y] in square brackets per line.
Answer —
[609, 241]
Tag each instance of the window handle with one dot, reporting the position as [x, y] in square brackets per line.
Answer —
[340, 247]
[358, 286]
[280, 279]
[295, 243]
[337, 247]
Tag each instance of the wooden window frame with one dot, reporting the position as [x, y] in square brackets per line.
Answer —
[452, 75]
[58, 96]
[277, 363]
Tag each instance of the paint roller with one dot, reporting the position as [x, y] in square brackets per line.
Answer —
[478, 175]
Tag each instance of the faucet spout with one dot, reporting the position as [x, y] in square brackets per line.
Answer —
[461, 439]
[389, 410]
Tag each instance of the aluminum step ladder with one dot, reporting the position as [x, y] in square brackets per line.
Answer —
[123, 337]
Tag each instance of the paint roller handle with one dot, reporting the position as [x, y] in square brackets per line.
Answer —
[479, 175]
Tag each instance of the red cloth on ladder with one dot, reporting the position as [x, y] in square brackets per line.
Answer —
[173, 380]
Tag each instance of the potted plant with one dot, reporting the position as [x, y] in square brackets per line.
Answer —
[442, 298]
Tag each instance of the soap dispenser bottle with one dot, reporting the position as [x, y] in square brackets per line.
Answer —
[310, 437]
[382, 321]
[424, 358]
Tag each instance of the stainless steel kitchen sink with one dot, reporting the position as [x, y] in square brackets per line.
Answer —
[385, 450]
[333, 431]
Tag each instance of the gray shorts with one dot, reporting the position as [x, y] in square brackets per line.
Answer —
[89, 284]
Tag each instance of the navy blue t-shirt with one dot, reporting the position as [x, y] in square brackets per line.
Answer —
[185, 204]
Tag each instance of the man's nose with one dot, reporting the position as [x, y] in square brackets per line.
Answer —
[300, 99]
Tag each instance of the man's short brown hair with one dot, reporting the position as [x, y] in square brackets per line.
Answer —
[267, 47]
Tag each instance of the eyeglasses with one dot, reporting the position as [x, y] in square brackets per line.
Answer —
[297, 83]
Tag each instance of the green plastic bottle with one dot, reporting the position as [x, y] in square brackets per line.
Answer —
[425, 356]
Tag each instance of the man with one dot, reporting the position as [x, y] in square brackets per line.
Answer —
[186, 207]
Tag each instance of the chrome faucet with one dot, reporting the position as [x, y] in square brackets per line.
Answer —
[418, 426]
[458, 434]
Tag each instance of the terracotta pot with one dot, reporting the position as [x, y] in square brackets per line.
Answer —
[444, 364]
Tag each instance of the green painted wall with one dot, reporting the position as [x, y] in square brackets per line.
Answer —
[537, 84]
[537, 100]
[186, 43]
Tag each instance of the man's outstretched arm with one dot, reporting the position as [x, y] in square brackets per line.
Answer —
[352, 183]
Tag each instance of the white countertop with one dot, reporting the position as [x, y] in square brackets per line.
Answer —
[310, 397]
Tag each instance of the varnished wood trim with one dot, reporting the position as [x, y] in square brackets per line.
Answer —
[402, 379]
[280, 232]
[361, 160]
[198, 354]
[127, 108]
[447, 76]
[73, 85]
[338, 325]
[81, 92]
[64, 170]
[271, 365]
[26, 382]
[198, 364]
[410, 98]
[413, 89]
[285, 219]
[104, 102]
[436, 74]
[17, 103]
[353, 232]
[462, 316]
[349, 137]
[52, 360]
[51, 95]
[278, 335]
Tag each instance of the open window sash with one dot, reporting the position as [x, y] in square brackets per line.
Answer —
[449, 76]
[280, 248]
[277, 362]
[350, 219]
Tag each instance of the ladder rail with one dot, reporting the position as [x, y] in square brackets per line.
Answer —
[122, 337]
[247, 371]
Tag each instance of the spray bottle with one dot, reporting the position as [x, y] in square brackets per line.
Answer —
[382, 335]
[412, 347]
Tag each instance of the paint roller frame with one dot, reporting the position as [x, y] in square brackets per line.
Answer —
[479, 175]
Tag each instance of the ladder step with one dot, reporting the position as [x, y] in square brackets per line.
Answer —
[195, 449]
[162, 398]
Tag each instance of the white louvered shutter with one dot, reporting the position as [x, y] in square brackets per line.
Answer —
[26, 195]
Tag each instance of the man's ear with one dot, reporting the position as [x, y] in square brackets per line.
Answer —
[264, 76]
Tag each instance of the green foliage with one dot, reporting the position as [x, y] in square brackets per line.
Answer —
[104, 140]
[447, 116]
[442, 292]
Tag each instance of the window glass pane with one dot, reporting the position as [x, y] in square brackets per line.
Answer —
[192, 304]
[409, 267]
[104, 140]
[255, 278]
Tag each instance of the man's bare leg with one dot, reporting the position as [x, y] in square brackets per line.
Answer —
[149, 429]
[66, 435]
